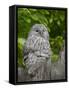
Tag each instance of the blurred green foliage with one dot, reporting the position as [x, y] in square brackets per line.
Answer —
[54, 58]
[54, 20]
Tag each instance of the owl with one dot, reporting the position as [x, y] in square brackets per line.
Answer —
[37, 52]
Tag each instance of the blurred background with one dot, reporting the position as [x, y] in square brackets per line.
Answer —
[54, 20]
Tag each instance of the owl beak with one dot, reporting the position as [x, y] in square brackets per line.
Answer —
[41, 33]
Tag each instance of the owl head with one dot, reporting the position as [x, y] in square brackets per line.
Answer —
[39, 30]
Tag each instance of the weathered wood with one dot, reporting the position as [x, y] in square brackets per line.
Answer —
[41, 73]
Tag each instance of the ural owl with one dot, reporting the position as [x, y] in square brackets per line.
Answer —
[37, 53]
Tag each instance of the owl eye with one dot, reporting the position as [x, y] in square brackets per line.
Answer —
[37, 30]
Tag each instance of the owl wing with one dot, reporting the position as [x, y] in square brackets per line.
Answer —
[30, 46]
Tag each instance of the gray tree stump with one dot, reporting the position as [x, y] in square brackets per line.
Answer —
[43, 72]
[58, 68]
